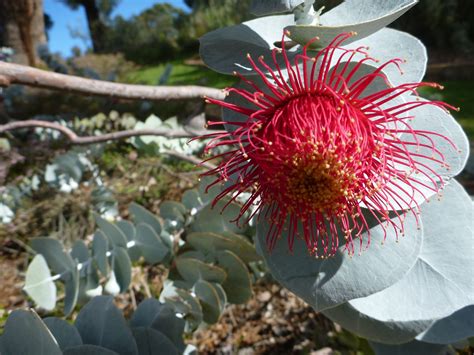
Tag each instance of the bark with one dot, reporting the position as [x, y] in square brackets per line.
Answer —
[22, 24]
[96, 26]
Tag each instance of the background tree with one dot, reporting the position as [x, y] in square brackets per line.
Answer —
[152, 36]
[97, 13]
[443, 25]
[22, 28]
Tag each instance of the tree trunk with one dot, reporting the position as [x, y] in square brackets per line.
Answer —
[96, 26]
[22, 29]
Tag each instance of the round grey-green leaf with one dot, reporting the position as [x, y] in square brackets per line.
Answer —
[192, 201]
[89, 350]
[142, 215]
[101, 323]
[39, 284]
[173, 211]
[122, 266]
[225, 50]
[111, 231]
[411, 348]
[193, 270]
[79, 251]
[71, 280]
[161, 317]
[150, 244]
[434, 288]
[266, 7]
[209, 299]
[152, 342]
[25, 333]
[212, 243]
[363, 17]
[449, 330]
[99, 252]
[52, 250]
[218, 219]
[326, 283]
[128, 229]
[65, 334]
[238, 285]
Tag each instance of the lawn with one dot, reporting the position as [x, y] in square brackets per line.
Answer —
[180, 74]
[459, 94]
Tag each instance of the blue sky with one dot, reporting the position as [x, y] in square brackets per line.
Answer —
[65, 20]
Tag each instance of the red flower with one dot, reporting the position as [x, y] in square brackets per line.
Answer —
[322, 155]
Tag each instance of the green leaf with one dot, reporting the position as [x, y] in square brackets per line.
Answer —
[150, 342]
[212, 243]
[193, 270]
[325, 283]
[112, 232]
[142, 215]
[39, 284]
[101, 323]
[238, 285]
[209, 299]
[65, 334]
[99, 252]
[25, 333]
[433, 289]
[150, 245]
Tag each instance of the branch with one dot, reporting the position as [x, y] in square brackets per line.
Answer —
[73, 138]
[189, 158]
[24, 75]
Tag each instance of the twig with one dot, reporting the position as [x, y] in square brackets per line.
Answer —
[20, 74]
[84, 140]
[73, 138]
[189, 158]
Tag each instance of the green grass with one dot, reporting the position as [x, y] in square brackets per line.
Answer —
[459, 94]
[181, 74]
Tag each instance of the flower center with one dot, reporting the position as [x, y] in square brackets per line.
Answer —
[315, 147]
[318, 183]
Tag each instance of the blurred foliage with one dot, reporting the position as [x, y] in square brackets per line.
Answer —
[164, 32]
[441, 24]
[459, 94]
[209, 15]
[152, 36]
[111, 67]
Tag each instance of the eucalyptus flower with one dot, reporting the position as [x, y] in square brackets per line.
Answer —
[306, 112]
